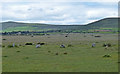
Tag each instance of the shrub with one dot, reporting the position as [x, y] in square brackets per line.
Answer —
[56, 54]
[66, 36]
[5, 56]
[17, 51]
[3, 39]
[107, 55]
[70, 45]
[109, 45]
[16, 46]
[97, 36]
[32, 36]
[41, 43]
[104, 45]
[96, 42]
[28, 43]
[3, 46]
[65, 53]
[26, 57]
[9, 46]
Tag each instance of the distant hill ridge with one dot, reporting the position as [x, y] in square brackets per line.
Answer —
[103, 23]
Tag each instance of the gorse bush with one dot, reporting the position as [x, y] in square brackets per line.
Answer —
[28, 43]
[5, 56]
[69, 45]
[104, 45]
[16, 46]
[109, 45]
[3, 46]
[3, 39]
[41, 43]
[11, 46]
[17, 51]
[107, 55]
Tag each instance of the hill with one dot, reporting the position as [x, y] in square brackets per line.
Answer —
[106, 23]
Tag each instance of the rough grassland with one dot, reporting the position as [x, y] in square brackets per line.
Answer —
[79, 58]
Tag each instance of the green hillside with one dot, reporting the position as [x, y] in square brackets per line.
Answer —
[107, 23]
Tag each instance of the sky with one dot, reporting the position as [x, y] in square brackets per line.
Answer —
[58, 12]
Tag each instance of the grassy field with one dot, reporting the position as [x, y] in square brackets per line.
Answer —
[80, 57]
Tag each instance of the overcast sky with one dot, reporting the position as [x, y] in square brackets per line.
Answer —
[55, 12]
